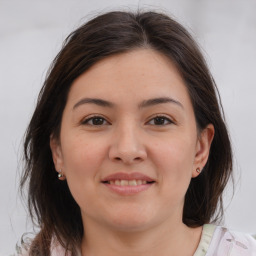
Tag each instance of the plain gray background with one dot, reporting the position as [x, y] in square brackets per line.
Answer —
[31, 34]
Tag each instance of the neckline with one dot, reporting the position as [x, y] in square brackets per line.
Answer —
[204, 244]
[205, 241]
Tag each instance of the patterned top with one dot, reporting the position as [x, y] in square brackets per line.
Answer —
[215, 241]
[219, 241]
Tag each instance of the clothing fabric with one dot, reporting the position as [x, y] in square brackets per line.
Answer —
[219, 241]
[215, 241]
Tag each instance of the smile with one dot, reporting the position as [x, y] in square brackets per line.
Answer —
[128, 183]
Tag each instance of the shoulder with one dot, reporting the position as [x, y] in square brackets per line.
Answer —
[228, 242]
[55, 250]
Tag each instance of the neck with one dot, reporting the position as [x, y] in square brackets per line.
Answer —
[161, 240]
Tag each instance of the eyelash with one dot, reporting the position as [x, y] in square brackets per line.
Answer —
[165, 121]
[86, 121]
[162, 117]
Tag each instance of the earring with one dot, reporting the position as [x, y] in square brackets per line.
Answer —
[61, 176]
[198, 170]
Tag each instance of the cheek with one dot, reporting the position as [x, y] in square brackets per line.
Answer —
[174, 159]
[178, 152]
[82, 163]
[80, 155]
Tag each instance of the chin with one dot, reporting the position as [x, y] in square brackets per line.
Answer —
[131, 221]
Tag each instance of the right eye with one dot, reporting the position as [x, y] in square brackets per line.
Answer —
[95, 121]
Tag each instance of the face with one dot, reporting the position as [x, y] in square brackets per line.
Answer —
[128, 144]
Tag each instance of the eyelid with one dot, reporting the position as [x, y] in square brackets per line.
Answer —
[170, 120]
[85, 120]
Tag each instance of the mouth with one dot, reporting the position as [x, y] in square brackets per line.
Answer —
[128, 183]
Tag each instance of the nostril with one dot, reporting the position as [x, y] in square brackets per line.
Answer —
[128, 159]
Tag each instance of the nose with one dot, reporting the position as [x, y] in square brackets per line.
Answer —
[127, 146]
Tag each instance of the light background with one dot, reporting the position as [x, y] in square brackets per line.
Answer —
[31, 34]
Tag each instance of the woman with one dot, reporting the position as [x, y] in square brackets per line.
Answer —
[127, 152]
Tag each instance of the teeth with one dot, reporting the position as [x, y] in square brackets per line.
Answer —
[117, 182]
[127, 182]
[132, 183]
[139, 182]
[124, 182]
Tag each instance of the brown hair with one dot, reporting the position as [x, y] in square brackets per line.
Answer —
[50, 202]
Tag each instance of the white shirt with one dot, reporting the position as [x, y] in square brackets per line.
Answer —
[219, 241]
[215, 241]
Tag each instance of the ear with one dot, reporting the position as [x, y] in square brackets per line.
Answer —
[203, 149]
[56, 153]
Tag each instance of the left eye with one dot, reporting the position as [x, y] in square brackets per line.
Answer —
[160, 120]
[96, 120]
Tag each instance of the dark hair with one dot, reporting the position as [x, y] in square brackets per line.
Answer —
[50, 202]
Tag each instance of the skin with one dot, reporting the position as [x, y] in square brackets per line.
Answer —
[129, 138]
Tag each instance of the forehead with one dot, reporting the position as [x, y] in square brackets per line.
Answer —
[140, 73]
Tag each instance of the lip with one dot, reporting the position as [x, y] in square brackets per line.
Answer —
[128, 190]
[127, 176]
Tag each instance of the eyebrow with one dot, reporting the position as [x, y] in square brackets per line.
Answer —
[143, 104]
[99, 102]
[161, 100]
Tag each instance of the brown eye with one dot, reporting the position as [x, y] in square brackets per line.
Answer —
[160, 120]
[96, 120]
